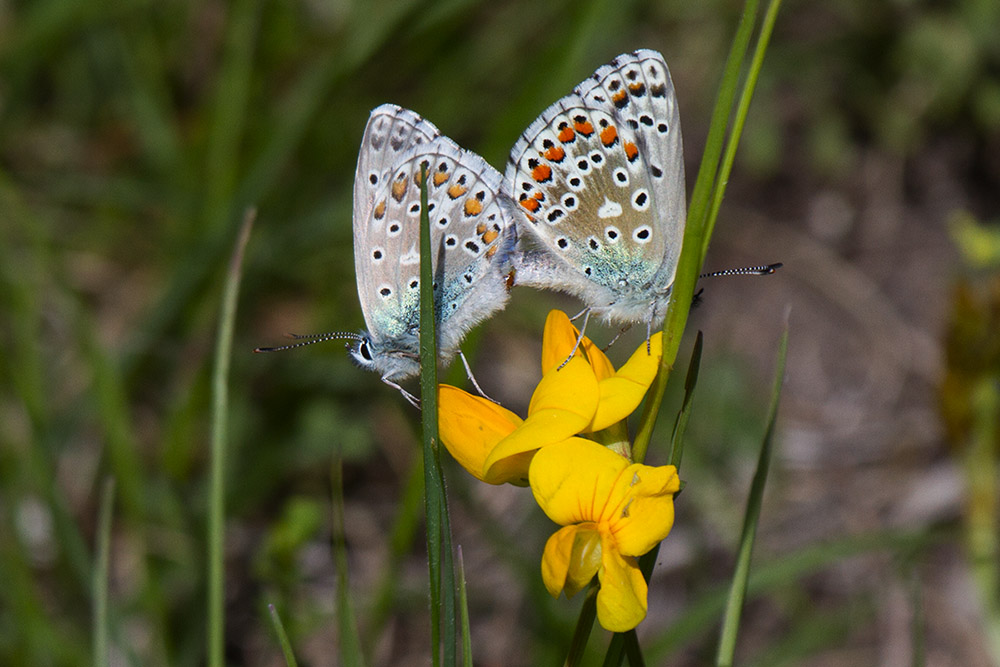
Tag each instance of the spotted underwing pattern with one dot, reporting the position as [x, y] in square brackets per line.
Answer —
[599, 177]
[472, 234]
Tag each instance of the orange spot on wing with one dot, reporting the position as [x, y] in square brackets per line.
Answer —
[530, 204]
[440, 177]
[399, 188]
[456, 191]
[631, 151]
[566, 134]
[490, 236]
[491, 251]
[609, 135]
[619, 98]
[555, 154]
[380, 210]
[586, 129]
[473, 206]
[542, 173]
[481, 227]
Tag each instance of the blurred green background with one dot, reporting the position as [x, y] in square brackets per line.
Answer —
[133, 136]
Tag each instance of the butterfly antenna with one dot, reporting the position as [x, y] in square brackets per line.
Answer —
[762, 270]
[309, 339]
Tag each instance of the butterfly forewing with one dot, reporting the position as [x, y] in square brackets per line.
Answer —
[639, 88]
[587, 195]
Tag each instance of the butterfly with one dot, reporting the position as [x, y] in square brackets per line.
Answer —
[472, 236]
[599, 176]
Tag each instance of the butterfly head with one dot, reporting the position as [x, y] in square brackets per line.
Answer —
[389, 362]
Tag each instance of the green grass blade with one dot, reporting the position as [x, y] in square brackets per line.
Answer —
[102, 568]
[279, 629]
[695, 238]
[220, 406]
[438, 531]
[584, 624]
[632, 649]
[350, 642]
[707, 180]
[680, 424]
[785, 572]
[739, 120]
[738, 588]
[463, 607]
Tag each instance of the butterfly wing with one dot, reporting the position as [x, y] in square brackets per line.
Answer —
[602, 187]
[639, 87]
[390, 134]
[472, 232]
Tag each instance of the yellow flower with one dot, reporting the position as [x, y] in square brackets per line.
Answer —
[611, 512]
[583, 396]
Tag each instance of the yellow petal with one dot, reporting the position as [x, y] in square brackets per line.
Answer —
[621, 602]
[646, 507]
[573, 480]
[555, 559]
[621, 393]
[585, 560]
[562, 405]
[572, 557]
[558, 339]
[471, 426]
[598, 360]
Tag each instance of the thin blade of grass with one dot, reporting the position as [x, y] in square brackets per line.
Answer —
[463, 607]
[279, 629]
[349, 646]
[695, 238]
[584, 624]
[220, 405]
[680, 424]
[738, 588]
[785, 572]
[707, 180]
[739, 120]
[102, 569]
[438, 531]
[632, 649]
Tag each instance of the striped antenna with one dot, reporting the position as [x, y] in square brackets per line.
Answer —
[762, 270]
[309, 339]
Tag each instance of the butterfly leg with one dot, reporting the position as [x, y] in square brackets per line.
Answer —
[472, 378]
[579, 339]
[410, 398]
[617, 336]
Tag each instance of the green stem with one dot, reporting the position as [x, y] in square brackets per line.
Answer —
[220, 406]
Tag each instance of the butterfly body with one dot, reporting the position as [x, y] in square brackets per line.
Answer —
[472, 238]
[600, 178]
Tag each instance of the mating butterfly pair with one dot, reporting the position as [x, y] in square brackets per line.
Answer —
[592, 203]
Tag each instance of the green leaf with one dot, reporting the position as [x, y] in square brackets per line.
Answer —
[738, 587]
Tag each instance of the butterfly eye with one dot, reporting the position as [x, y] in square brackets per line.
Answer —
[364, 350]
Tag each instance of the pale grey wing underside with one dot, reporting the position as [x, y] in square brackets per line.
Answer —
[639, 87]
[600, 176]
[472, 233]
[391, 133]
